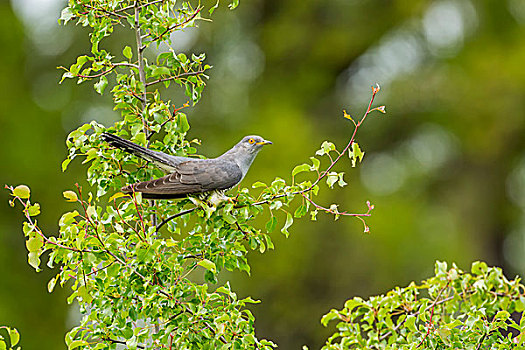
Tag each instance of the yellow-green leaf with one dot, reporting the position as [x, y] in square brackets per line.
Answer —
[300, 168]
[21, 191]
[127, 52]
[91, 212]
[287, 224]
[14, 336]
[117, 196]
[34, 244]
[33, 259]
[70, 196]
[51, 284]
[208, 265]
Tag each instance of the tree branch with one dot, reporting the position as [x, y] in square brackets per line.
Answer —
[178, 25]
[182, 75]
[139, 7]
[184, 212]
[142, 74]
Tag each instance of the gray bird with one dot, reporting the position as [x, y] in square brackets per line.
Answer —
[191, 175]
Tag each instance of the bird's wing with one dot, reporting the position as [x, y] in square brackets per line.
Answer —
[195, 176]
[162, 160]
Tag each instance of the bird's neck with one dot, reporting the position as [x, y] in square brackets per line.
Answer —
[244, 160]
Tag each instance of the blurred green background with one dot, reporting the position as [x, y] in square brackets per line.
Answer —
[445, 167]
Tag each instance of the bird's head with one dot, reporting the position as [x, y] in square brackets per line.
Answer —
[252, 143]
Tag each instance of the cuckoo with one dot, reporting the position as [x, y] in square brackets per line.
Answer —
[191, 175]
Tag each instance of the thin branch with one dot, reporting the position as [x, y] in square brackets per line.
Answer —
[323, 174]
[39, 231]
[178, 25]
[139, 7]
[432, 306]
[375, 90]
[102, 268]
[115, 341]
[184, 212]
[142, 74]
[173, 115]
[103, 246]
[104, 10]
[481, 341]
[400, 324]
[109, 70]
[182, 75]
[134, 198]
[331, 211]
[95, 75]
[122, 219]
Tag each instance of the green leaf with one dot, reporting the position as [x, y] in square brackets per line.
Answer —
[76, 343]
[2, 345]
[411, 323]
[333, 314]
[214, 7]
[183, 123]
[34, 244]
[127, 52]
[326, 147]
[33, 258]
[91, 212]
[21, 191]
[315, 163]
[51, 284]
[84, 294]
[300, 168]
[259, 184]
[479, 268]
[271, 224]
[502, 315]
[33, 210]
[300, 211]
[157, 71]
[355, 154]
[68, 218]
[66, 15]
[331, 179]
[101, 85]
[70, 196]
[269, 242]
[341, 182]
[233, 4]
[208, 265]
[14, 336]
[117, 196]
[65, 163]
[287, 224]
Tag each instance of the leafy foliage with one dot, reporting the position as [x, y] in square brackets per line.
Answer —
[13, 336]
[141, 277]
[452, 310]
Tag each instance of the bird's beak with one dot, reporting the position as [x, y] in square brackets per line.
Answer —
[265, 142]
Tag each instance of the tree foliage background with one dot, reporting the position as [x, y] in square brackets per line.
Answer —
[445, 169]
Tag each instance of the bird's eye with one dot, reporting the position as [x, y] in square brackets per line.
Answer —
[251, 141]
